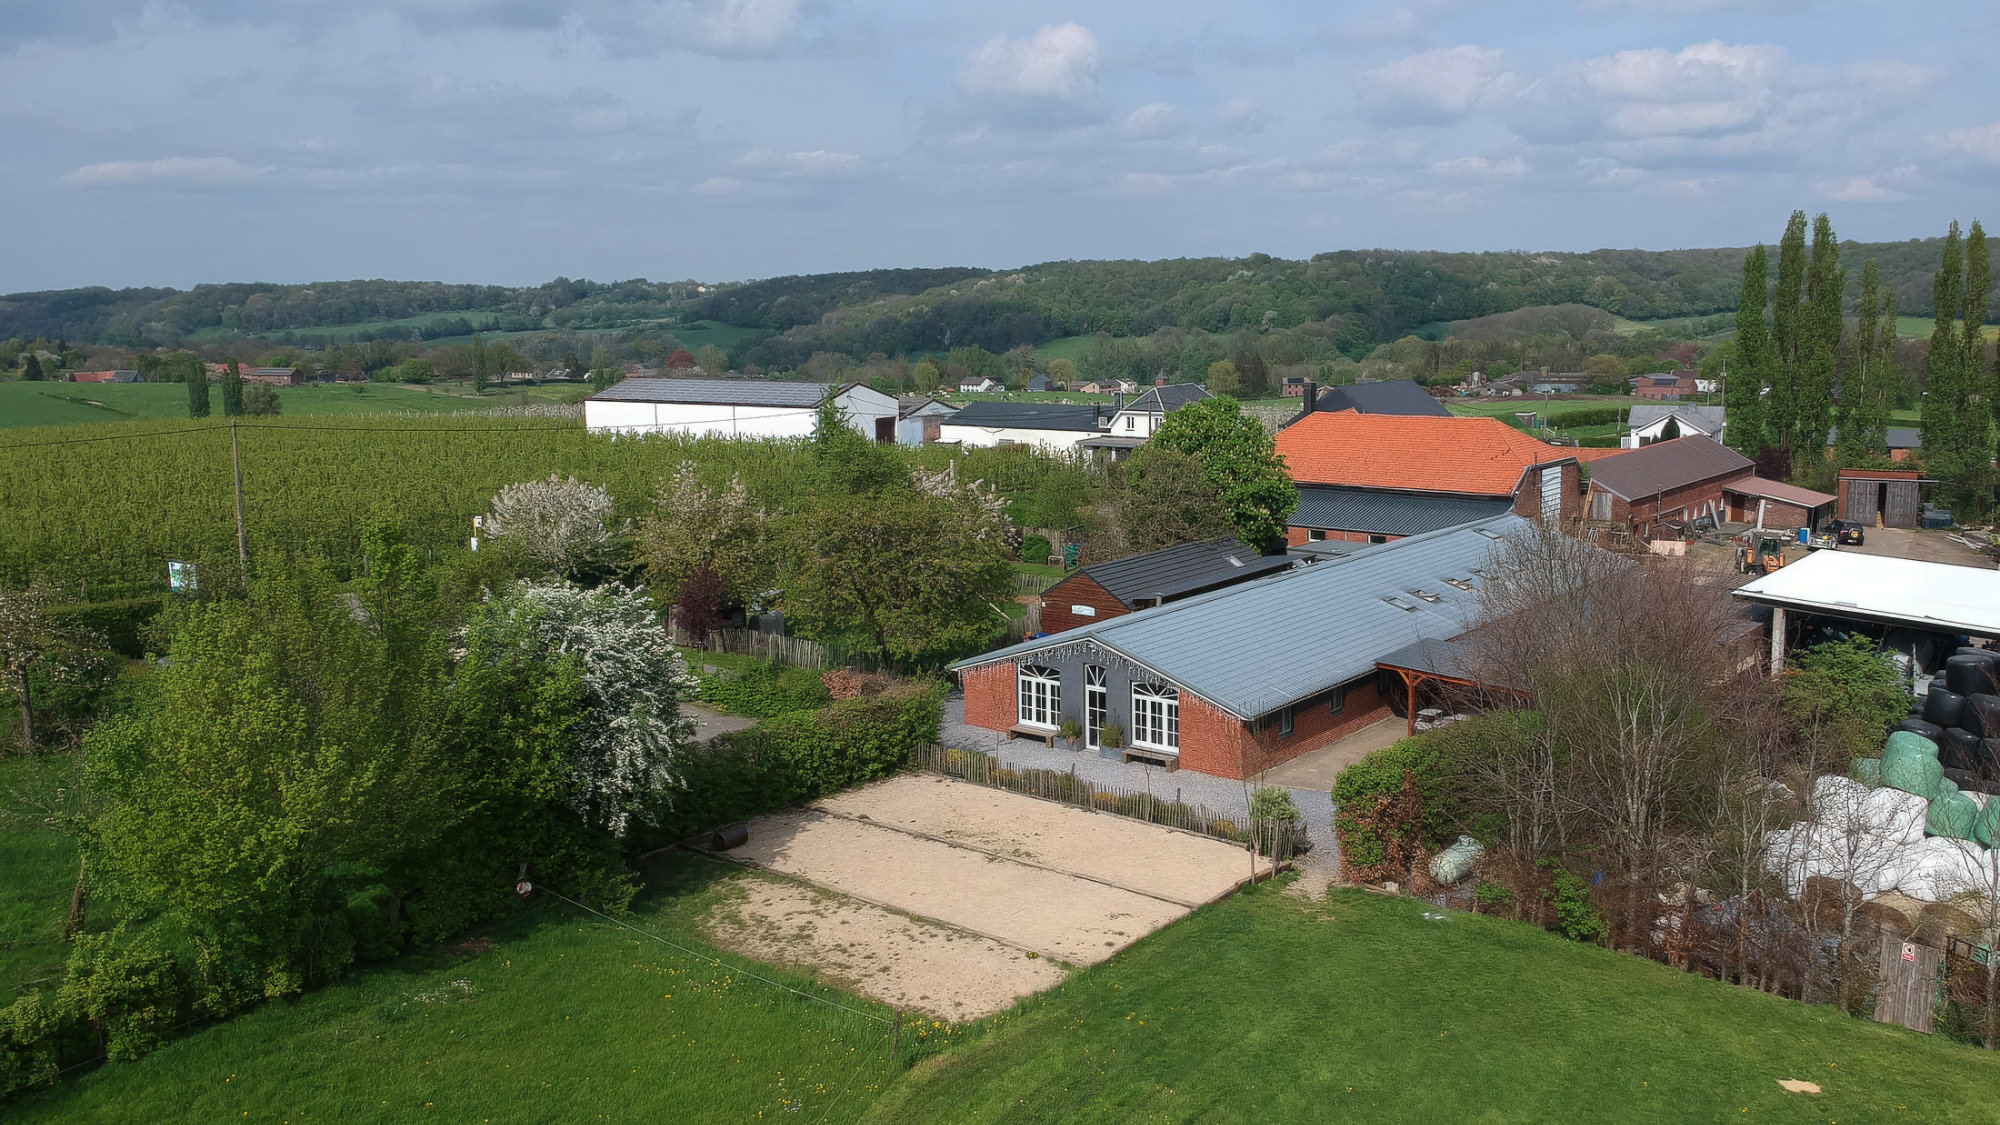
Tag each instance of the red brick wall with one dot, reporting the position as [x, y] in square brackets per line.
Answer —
[1077, 589]
[1528, 497]
[1216, 742]
[991, 700]
[1679, 504]
[1298, 536]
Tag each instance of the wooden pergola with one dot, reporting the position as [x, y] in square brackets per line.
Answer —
[1438, 662]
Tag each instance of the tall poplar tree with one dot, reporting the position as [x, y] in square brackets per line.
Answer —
[195, 374]
[1820, 323]
[1868, 386]
[232, 389]
[1781, 405]
[1951, 450]
[1743, 392]
[1973, 368]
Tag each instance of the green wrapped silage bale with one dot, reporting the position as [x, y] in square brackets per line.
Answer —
[1910, 763]
[1952, 814]
[1986, 826]
[1867, 771]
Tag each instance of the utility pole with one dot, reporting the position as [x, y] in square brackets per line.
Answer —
[236, 463]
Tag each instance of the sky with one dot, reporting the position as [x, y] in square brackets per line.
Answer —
[511, 141]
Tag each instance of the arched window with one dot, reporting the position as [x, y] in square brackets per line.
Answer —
[1041, 696]
[1156, 716]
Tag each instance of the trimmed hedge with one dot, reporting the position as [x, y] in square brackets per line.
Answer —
[122, 623]
[1589, 416]
[766, 691]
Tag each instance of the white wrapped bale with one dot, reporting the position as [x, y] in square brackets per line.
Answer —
[1455, 862]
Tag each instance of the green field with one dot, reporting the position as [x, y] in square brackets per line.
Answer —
[74, 404]
[697, 333]
[1270, 1008]
[37, 870]
[1919, 328]
[556, 1016]
[1068, 347]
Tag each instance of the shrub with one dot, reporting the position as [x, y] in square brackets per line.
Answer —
[1576, 918]
[1492, 895]
[29, 1032]
[1107, 802]
[122, 623]
[1035, 549]
[127, 986]
[767, 691]
[1225, 829]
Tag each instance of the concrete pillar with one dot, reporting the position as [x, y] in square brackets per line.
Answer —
[1777, 639]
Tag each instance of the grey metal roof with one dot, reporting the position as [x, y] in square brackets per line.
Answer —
[1028, 416]
[1905, 437]
[1666, 465]
[1181, 568]
[1388, 513]
[1166, 400]
[716, 392]
[1709, 419]
[1257, 646]
[1039, 383]
[1397, 396]
[911, 405]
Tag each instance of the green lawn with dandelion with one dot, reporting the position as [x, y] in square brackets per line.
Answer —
[1271, 1008]
[557, 1016]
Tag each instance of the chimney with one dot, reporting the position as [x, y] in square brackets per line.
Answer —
[1117, 401]
[1160, 381]
[1312, 398]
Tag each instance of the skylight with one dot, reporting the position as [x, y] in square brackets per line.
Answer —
[1401, 604]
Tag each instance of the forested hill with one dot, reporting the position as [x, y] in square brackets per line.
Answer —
[1358, 298]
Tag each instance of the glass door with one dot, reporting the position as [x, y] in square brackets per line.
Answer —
[1096, 707]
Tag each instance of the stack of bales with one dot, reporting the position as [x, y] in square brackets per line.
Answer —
[1961, 715]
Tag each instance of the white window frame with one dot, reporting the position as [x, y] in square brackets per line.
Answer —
[1038, 694]
[1156, 717]
[1096, 706]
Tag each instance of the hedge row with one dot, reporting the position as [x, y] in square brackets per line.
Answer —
[123, 623]
[766, 691]
[1589, 416]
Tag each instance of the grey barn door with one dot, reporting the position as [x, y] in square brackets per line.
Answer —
[1861, 501]
[1902, 508]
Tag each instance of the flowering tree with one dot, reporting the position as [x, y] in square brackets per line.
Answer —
[560, 523]
[695, 527]
[30, 642]
[632, 736]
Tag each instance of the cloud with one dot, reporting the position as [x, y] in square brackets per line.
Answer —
[1702, 71]
[1435, 87]
[1058, 63]
[718, 185]
[757, 28]
[817, 164]
[1244, 115]
[1982, 141]
[1481, 168]
[1858, 189]
[1153, 121]
[1657, 8]
[172, 171]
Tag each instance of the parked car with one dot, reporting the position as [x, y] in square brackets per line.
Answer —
[1847, 531]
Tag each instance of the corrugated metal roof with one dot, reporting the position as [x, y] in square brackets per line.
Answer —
[1708, 419]
[1905, 437]
[716, 392]
[1388, 513]
[1178, 569]
[1927, 595]
[1779, 490]
[1666, 465]
[1253, 648]
[1027, 416]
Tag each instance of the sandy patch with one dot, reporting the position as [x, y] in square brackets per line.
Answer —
[1177, 866]
[1057, 915]
[898, 960]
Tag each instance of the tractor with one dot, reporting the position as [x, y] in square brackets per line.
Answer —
[1760, 552]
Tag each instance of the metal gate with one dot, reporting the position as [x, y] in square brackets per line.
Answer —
[1862, 498]
[1902, 508]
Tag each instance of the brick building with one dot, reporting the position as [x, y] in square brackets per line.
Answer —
[1691, 478]
[1380, 477]
[1237, 680]
[1106, 590]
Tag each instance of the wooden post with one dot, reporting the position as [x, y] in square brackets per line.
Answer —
[236, 464]
[1410, 682]
[1777, 640]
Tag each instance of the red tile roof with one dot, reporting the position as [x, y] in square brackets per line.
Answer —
[1476, 456]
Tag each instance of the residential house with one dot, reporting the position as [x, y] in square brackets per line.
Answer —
[1901, 442]
[1688, 479]
[1397, 396]
[1294, 386]
[273, 376]
[1058, 427]
[1646, 423]
[1040, 383]
[918, 418]
[1141, 417]
[980, 386]
[107, 377]
[736, 408]
[1381, 477]
[1096, 388]
[1237, 680]
[1109, 589]
[1665, 388]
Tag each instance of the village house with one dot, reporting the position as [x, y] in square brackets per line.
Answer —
[1237, 680]
[1665, 388]
[736, 408]
[1039, 383]
[1646, 423]
[1108, 589]
[980, 386]
[1375, 478]
[1054, 426]
[1395, 396]
[1690, 479]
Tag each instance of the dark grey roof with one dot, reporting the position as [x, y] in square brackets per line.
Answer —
[1039, 383]
[1166, 400]
[1388, 513]
[1905, 437]
[1666, 465]
[1709, 419]
[1260, 645]
[716, 392]
[1399, 396]
[1181, 569]
[906, 405]
[1027, 416]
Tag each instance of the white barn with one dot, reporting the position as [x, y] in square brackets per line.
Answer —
[735, 408]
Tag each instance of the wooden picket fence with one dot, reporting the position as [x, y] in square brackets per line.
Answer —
[1025, 626]
[1033, 583]
[796, 651]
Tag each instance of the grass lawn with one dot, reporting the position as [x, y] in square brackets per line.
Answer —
[1270, 1008]
[696, 333]
[1920, 327]
[72, 404]
[37, 871]
[1069, 347]
[1508, 407]
[562, 1018]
